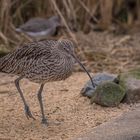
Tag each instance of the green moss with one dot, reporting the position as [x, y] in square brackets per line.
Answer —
[122, 78]
[135, 73]
[108, 94]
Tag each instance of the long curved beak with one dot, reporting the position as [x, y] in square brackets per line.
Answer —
[83, 69]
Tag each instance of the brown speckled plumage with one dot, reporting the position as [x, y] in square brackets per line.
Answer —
[40, 62]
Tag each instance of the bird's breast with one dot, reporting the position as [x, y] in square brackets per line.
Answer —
[62, 69]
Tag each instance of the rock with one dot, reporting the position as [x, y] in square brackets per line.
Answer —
[108, 94]
[125, 127]
[130, 81]
[99, 78]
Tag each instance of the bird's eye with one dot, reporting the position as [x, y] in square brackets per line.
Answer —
[65, 48]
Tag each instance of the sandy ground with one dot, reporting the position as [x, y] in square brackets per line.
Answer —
[69, 114]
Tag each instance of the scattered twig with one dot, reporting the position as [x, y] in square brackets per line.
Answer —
[4, 38]
[64, 21]
[88, 11]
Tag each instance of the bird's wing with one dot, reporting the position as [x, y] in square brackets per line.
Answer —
[35, 25]
[25, 56]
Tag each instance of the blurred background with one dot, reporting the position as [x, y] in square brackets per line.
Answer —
[107, 31]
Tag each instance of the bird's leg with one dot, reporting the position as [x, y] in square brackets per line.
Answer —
[26, 107]
[39, 95]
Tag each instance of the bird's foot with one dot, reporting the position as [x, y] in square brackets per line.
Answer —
[44, 121]
[28, 112]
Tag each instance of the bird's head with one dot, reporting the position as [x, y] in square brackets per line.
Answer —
[68, 47]
[55, 21]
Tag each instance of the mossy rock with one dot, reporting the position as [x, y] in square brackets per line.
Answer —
[130, 81]
[88, 89]
[108, 94]
[124, 77]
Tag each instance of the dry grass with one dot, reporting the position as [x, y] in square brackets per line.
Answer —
[76, 15]
[80, 15]
[101, 51]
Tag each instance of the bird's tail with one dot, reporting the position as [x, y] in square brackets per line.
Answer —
[1, 64]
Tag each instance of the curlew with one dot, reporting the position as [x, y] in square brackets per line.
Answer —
[40, 28]
[41, 62]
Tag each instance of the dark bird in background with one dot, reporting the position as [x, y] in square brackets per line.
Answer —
[40, 28]
[41, 62]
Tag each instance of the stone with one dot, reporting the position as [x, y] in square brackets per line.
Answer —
[108, 94]
[125, 127]
[130, 81]
[99, 78]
